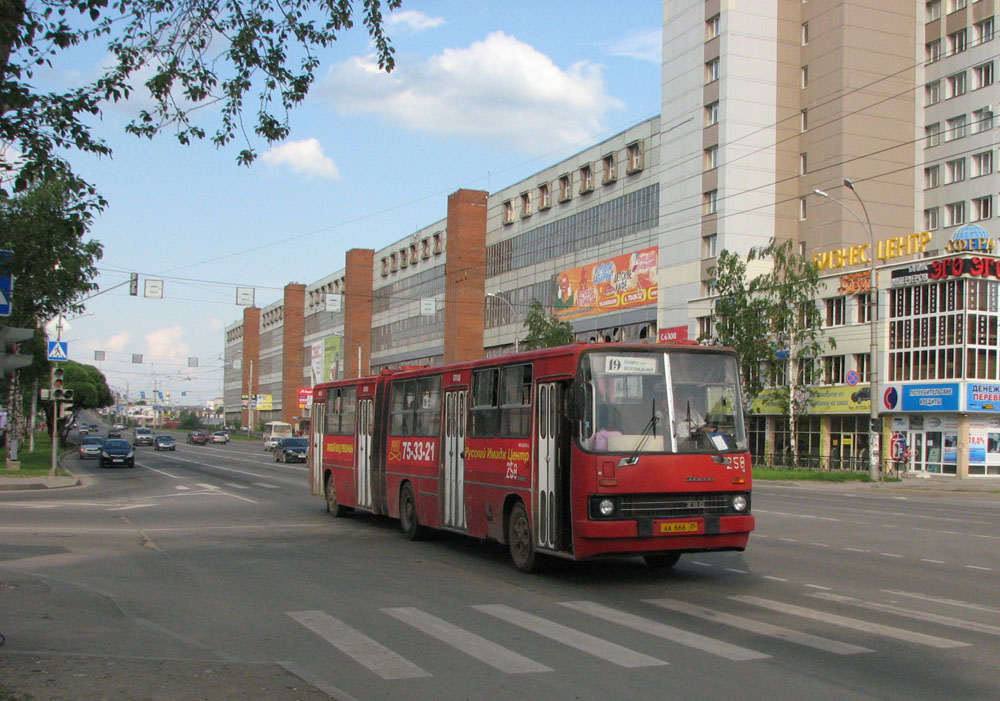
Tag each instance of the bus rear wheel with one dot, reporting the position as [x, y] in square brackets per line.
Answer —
[408, 522]
[663, 561]
[520, 541]
[334, 507]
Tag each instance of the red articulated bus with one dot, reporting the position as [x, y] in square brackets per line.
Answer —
[577, 452]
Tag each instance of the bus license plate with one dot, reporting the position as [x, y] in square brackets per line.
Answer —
[664, 527]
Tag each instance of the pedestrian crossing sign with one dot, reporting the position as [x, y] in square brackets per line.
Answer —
[58, 350]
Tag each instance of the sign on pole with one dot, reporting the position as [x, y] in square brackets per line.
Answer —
[58, 350]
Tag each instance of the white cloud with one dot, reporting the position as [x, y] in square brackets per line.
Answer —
[303, 157]
[646, 45]
[499, 89]
[167, 344]
[118, 342]
[417, 21]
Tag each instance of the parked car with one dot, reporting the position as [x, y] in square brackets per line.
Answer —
[291, 450]
[197, 438]
[220, 437]
[164, 443]
[117, 452]
[143, 436]
[90, 447]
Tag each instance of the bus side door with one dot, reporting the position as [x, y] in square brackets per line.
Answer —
[453, 455]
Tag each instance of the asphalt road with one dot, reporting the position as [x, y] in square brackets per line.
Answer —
[211, 572]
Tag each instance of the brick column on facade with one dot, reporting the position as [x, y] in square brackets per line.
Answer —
[292, 340]
[465, 276]
[358, 288]
[251, 359]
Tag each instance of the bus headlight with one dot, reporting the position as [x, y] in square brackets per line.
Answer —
[739, 503]
[606, 507]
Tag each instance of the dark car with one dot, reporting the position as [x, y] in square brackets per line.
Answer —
[117, 452]
[114, 433]
[90, 447]
[197, 438]
[291, 450]
[164, 443]
[862, 395]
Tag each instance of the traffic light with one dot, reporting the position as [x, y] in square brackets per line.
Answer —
[133, 284]
[10, 359]
[58, 392]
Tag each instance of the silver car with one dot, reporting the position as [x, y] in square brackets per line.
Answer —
[90, 447]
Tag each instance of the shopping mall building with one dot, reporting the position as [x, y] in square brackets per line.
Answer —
[763, 103]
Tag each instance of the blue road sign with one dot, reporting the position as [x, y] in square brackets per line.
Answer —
[6, 283]
[58, 350]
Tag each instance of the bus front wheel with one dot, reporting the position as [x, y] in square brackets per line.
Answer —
[408, 522]
[334, 507]
[520, 541]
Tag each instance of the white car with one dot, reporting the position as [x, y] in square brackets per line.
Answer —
[143, 436]
[220, 437]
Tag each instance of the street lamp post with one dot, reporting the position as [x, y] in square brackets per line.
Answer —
[873, 432]
[497, 295]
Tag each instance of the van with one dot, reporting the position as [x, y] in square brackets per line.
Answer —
[143, 436]
[274, 431]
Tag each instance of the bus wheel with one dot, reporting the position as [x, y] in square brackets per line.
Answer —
[662, 562]
[333, 506]
[520, 542]
[408, 521]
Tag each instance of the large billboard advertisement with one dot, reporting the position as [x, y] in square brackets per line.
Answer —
[611, 285]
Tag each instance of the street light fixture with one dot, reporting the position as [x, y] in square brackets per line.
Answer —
[873, 432]
[497, 295]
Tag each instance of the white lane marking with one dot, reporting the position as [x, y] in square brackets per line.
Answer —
[793, 636]
[940, 600]
[212, 489]
[265, 485]
[602, 649]
[182, 487]
[160, 472]
[864, 626]
[817, 586]
[662, 630]
[358, 646]
[910, 613]
[236, 486]
[494, 655]
[129, 508]
[977, 567]
[936, 562]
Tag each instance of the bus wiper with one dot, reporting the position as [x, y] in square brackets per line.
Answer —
[647, 431]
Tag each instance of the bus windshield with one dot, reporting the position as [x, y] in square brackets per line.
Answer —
[670, 401]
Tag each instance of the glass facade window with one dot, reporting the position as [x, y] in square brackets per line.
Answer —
[945, 330]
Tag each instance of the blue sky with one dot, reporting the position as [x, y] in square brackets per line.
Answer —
[484, 94]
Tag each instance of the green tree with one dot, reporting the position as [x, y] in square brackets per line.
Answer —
[189, 421]
[545, 332]
[90, 389]
[190, 55]
[773, 322]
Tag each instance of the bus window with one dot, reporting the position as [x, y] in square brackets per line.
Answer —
[347, 408]
[404, 398]
[515, 406]
[483, 415]
[428, 409]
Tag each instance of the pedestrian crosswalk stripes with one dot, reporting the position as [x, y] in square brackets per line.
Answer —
[390, 664]
[761, 628]
[584, 642]
[471, 644]
[358, 646]
[856, 624]
[662, 630]
[918, 615]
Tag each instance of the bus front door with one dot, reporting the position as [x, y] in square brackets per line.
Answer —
[454, 460]
[363, 466]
